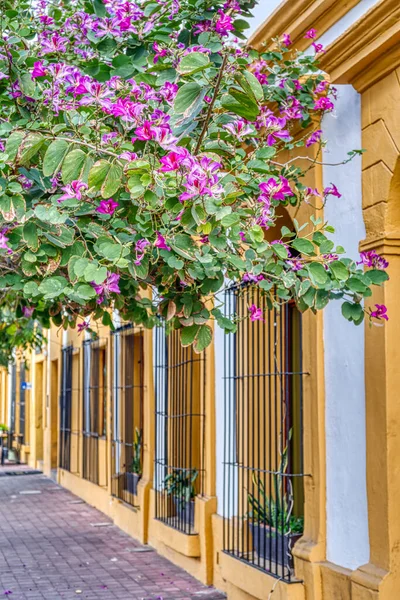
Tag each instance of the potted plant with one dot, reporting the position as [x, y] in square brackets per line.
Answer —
[135, 469]
[274, 529]
[3, 447]
[180, 485]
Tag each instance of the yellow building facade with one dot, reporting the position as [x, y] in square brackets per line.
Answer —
[182, 450]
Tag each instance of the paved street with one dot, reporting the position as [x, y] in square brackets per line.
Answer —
[49, 549]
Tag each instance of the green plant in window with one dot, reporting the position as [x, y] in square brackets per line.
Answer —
[136, 465]
[180, 484]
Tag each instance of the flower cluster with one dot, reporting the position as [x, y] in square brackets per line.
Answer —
[144, 147]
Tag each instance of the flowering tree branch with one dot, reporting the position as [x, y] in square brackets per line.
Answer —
[141, 148]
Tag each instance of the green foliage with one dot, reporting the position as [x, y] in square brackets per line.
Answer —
[146, 161]
[180, 484]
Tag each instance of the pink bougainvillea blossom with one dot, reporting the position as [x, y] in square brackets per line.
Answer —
[286, 40]
[83, 326]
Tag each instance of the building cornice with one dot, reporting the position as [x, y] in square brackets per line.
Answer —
[368, 50]
[296, 17]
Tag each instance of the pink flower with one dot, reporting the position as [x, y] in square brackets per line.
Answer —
[286, 40]
[130, 156]
[27, 311]
[239, 128]
[256, 314]
[3, 242]
[380, 312]
[73, 190]
[242, 236]
[250, 278]
[207, 99]
[275, 190]
[160, 242]
[168, 91]
[332, 191]
[318, 48]
[3, 76]
[324, 104]
[109, 286]
[294, 264]
[311, 34]
[224, 24]
[175, 159]
[370, 258]
[83, 326]
[160, 52]
[202, 26]
[313, 138]
[107, 207]
[140, 246]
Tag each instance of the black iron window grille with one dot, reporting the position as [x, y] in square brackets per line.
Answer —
[94, 409]
[179, 430]
[22, 375]
[66, 408]
[127, 412]
[263, 497]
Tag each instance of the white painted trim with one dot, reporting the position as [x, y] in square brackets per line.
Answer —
[347, 506]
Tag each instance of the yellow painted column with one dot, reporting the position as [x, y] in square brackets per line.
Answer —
[380, 578]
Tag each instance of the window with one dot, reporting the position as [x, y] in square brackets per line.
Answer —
[179, 430]
[66, 408]
[263, 463]
[127, 413]
[94, 408]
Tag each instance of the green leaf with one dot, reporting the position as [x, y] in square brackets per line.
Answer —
[352, 311]
[80, 266]
[98, 174]
[175, 263]
[13, 143]
[52, 287]
[73, 166]
[112, 182]
[188, 335]
[106, 177]
[253, 85]
[241, 104]
[230, 220]
[186, 97]
[203, 339]
[376, 276]
[85, 291]
[356, 285]
[54, 157]
[280, 250]
[195, 61]
[30, 235]
[302, 245]
[30, 146]
[95, 273]
[339, 270]
[31, 289]
[317, 273]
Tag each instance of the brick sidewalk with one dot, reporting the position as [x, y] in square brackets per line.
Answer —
[49, 550]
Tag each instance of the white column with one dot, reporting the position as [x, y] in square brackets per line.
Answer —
[347, 508]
